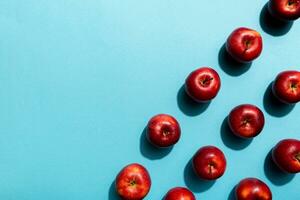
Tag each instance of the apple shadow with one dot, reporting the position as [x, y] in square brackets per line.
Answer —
[274, 174]
[188, 106]
[229, 65]
[273, 106]
[193, 182]
[230, 140]
[272, 25]
[112, 194]
[150, 151]
[231, 195]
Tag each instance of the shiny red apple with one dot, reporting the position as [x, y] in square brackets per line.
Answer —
[244, 44]
[252, 189]
[286, 155]
[246, 121]
[286, 87]
[133, 182]
[285, 10]
[163, 130]
[209, 163]
[203, 84]
[179, 193]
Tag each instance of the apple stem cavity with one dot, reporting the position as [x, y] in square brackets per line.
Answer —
[206, 80]
[298, 157]
[165, 133]
[132, 183]
[291, 2]
[294, 86]
[245, 122]
[248, 44]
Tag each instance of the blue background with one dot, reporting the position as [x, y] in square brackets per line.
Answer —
[79, 79]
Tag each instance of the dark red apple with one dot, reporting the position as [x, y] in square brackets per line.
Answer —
[285, 10]
[179, 193]
[209, 163]
[244, 44]
[203, 84]
[286, 155]
[133, 182]
[286, 87]
[246, 121]
[252, 189]
[163, 130]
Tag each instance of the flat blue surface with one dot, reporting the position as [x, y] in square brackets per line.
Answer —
[79, 80]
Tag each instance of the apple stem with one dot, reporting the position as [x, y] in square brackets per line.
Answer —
[210, 168]
[248, 43]
[206, 80]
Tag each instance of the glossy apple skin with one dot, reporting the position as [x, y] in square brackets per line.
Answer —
[133, 182]
[203, 84]
[282, 10]
[209, 163]
[252, 189]
[244, 44]
[246, 121]
[179, 193]
[286, 155]
[286, 87]
[163, 130]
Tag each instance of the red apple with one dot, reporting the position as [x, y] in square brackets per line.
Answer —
[209, 163]
[285, 10]
[133, 182]
[179, 193]
[252, 189]
[203, 84]
[286, 87]
[286, 155]
[163, 130]
[246, 121]
[244, 44]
